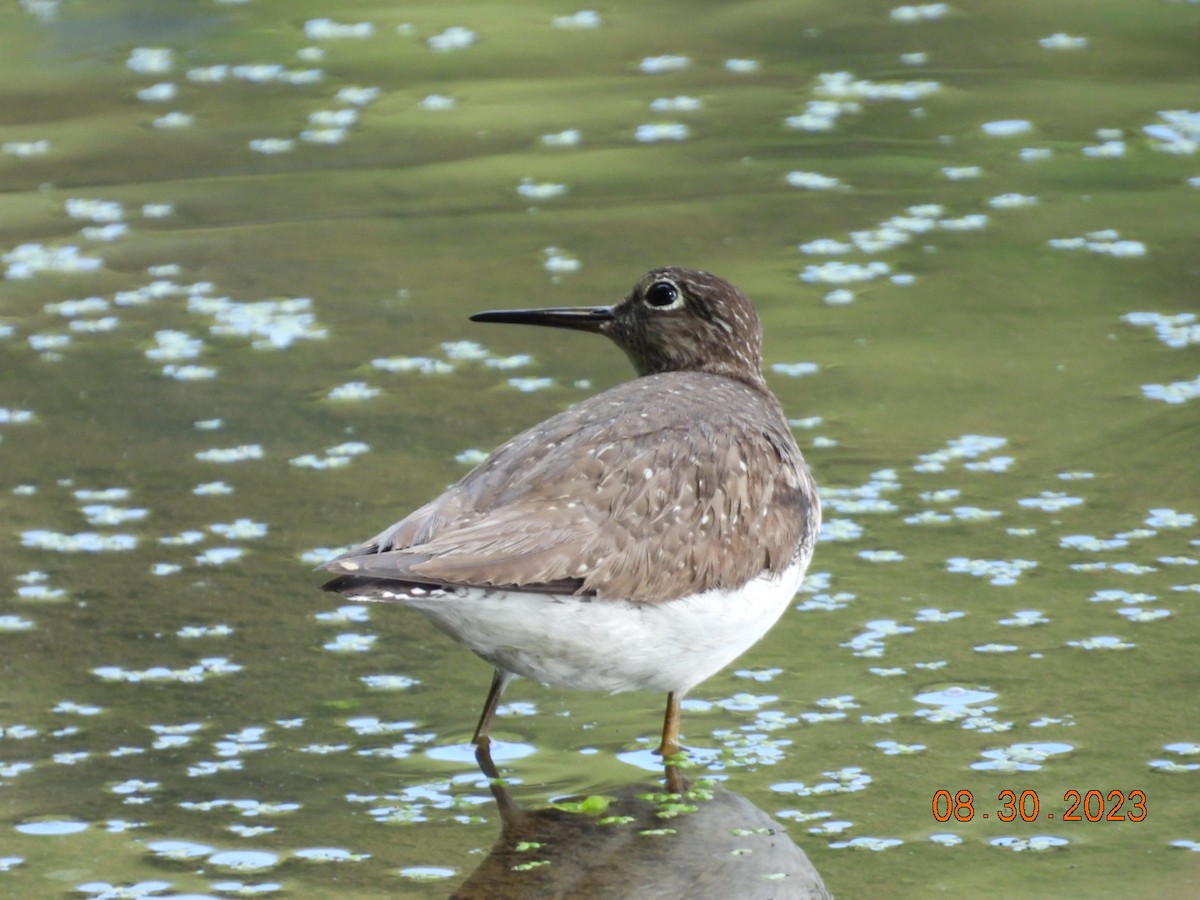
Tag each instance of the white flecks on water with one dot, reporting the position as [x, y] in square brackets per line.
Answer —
[90, 273]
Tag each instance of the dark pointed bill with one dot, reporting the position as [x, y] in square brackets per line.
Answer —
[580, 318]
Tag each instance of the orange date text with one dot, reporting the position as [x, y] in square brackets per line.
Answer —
[1077, 806]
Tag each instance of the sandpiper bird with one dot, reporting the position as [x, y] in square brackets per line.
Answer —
[644, 538]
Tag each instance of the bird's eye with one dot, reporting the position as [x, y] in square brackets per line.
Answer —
[662, 293]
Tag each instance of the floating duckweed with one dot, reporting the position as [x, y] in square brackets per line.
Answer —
[31, 259]
[150, 60]
[26, 149]
[1137, 614]
[1172, 767]
[437, 103]
[420, 364]
[240, 529]
[351, 643]
[531, 190]
[833, 826]
[41, 592]
[996, 571]
[961, 173]
[825, 247]
[843, 86]
[826, 602]
[1091, 544]
[966, 447]
[324, 136]
[357, 96]
[329, 854]
[453, 38]
[212, 489]
[881, 555]
[69, 706]
[344, 614]
[364, 725]
[654, 65]
[183, 539]
[1036, 843]
[923, 12]
[1177, 134]
[239, 887]
[179, 850]
[1102, 642]
[231, 454]
[742, 66]
[327, 29]
[244, 860]
[584, 19]
[1107, 150]
[679, 103]
[1061, 41]
[1107, 242]
[15, 416]
[795, 370]
[841, 702]
[839, 297]
[568, 138]
[1012, 201]
[85, 542]
[389, 682]
[837, 272]
[202, 631]
[158, 93]
[842, 781]
[869, 644]
[1006, 127]
[1176, 392]
[219, 556]
[813, 181]
[955, 696]
[868, 843]
[189, 372]
[106, 514]
[272, 146]
[529, 385]
[174, 120]
[1024, 618]
[1177, 331]
[1026, 757]
[973, 222]
[840, 530]
[205, 668]
[937, 615]
[1051, 501]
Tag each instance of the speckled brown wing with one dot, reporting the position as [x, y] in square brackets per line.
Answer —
[659, 488]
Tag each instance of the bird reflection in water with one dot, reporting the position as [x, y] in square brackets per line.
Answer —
[700, 842]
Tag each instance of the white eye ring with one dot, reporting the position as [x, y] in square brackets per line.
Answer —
[663, 294]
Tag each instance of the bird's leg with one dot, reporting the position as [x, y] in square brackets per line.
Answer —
[483, 757]
[500, 680]
[670, 733]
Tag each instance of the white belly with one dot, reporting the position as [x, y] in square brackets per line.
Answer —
[604, 645]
